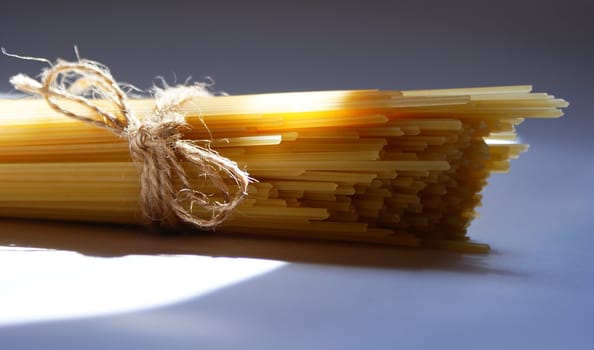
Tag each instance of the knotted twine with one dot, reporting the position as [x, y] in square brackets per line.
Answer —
[167, 198]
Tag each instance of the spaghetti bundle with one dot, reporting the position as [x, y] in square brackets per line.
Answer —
[389, 167]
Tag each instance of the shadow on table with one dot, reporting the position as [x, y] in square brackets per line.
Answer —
[114, 240]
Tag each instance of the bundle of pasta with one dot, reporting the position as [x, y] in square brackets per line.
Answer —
[390, 167]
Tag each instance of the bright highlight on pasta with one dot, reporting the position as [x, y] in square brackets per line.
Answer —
[390, 167]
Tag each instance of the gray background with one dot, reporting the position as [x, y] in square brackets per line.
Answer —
[535, 289]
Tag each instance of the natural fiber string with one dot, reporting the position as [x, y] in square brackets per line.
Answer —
[166, 198]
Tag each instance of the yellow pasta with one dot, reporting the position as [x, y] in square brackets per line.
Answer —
[387, 167]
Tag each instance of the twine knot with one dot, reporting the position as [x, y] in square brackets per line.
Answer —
[167, 197]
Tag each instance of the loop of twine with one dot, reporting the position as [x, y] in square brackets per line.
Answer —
[167, 197]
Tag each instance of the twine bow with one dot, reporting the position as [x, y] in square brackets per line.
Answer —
[167, 197]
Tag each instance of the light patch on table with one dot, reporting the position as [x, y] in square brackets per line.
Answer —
[38, 285]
